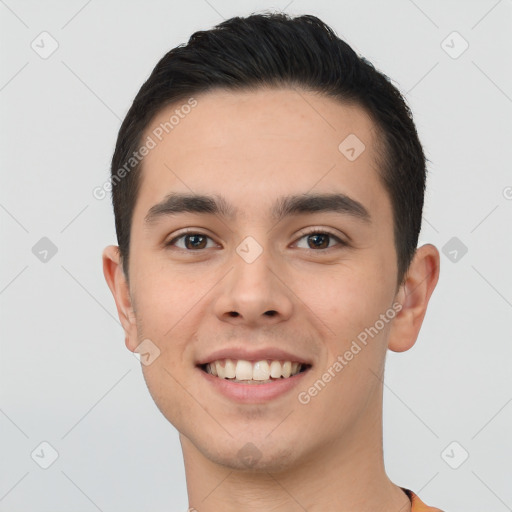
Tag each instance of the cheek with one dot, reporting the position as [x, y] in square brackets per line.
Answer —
[343, 296]
[345, 303]
[168, 305]
[164, 295]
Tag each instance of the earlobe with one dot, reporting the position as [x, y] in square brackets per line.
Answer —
[414, 295]
[116, 281]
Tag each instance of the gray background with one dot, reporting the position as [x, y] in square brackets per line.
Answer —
[66, 376]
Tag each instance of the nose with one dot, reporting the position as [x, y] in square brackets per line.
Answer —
[253, 293]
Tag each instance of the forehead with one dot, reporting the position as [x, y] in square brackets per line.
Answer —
[250, 146]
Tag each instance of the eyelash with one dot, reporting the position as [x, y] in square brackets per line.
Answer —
[313, 231]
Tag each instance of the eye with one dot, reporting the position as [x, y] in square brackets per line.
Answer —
[191, 241]
[315, 239]
[320, 239]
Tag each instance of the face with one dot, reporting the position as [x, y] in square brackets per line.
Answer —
[230, 278]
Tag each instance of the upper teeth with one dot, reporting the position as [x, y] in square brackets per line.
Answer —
[246, 370]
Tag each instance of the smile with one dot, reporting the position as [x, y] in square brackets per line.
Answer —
[258, 372]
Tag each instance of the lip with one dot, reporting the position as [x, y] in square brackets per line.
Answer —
[253, 355]
[253, 393]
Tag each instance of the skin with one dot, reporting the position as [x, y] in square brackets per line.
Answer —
[252, 147]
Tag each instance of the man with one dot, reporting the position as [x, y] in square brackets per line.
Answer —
[268, 189]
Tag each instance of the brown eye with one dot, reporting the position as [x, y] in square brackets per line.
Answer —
[191, 241]
[320, 240]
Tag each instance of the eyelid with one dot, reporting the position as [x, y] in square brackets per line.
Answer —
[320, 230]
[187, 231]
[301, 234]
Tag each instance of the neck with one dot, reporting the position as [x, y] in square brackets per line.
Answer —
[347, 473]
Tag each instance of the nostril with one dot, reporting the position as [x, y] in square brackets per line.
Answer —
[271, 313]
[233, 313]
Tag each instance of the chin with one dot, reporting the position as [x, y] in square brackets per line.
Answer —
[251, 459]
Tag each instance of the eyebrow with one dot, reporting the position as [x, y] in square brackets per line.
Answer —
[285, 206]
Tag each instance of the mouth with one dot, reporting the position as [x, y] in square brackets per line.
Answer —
[264, 371]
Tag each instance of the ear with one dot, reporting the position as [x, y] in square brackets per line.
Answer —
[118, 284]
[413, 295]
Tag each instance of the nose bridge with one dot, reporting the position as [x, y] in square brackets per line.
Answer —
[252, 266]
[252, 291]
